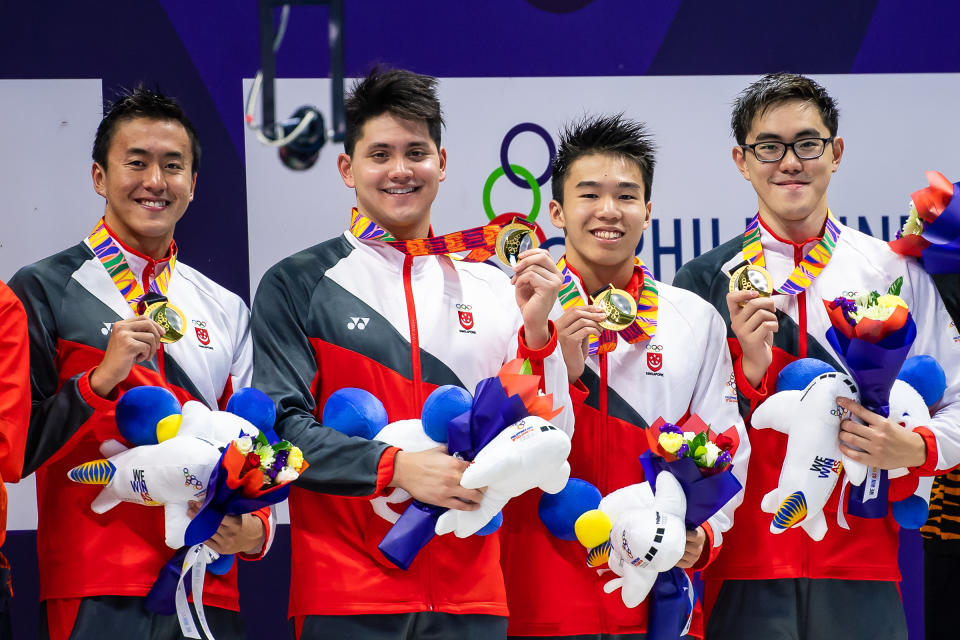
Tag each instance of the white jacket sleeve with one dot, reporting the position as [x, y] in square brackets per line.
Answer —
[715, 401]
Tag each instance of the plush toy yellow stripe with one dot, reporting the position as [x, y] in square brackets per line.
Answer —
[599, 555]
[792, 511]
[94, 472]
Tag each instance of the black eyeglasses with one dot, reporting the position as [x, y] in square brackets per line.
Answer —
[773, 151]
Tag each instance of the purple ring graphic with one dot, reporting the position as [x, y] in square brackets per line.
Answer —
[505, 149]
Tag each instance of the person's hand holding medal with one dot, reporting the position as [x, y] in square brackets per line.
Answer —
[135, 340]
[535, 278]
[753, 318]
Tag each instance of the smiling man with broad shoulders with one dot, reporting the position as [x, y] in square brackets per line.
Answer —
[90, 343]
[787, 585]
[412, 340]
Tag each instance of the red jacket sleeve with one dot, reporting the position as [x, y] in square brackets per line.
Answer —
[14, 384]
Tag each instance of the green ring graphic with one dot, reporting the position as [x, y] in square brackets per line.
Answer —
[523, 173]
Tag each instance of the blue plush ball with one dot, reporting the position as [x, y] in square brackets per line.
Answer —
[221, 565]
[442, 406]
[140, 409]
[255, 407]
[924, 374]
[559, 511]
[491, 526]
[355, 412]
[910, 513]
[799, 373]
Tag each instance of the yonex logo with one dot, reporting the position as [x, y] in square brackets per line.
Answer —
[358, 323]
[107, 327]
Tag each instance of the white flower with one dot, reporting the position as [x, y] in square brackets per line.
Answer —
[712, 452]
[689, 435]
[287, 475]
[244, 444]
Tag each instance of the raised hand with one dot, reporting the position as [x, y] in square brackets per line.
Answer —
[537, 283]
[131, 341]
[753, 319]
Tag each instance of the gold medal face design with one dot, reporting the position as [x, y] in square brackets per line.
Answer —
[170, 318]
[619, 307]
[514, 239]
[750, 277]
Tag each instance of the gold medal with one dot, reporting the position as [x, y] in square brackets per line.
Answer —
[751, 277]
[169, 317]
[619, 307]
[514, 239]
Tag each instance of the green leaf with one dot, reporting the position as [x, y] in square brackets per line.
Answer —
[526, 368]
[872, 298]
[261, 439]
[894, 289]
[698, 442]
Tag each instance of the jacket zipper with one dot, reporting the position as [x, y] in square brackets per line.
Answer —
[426, 563]
[802, 353]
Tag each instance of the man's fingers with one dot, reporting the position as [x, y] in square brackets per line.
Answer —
[869, 417]
[854, 440]
[466, 499]
[736, 299]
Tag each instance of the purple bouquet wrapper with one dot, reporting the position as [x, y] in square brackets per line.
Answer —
[874, 367]
[670, 600]
[669, 605]
[705, 494]
[492, 411]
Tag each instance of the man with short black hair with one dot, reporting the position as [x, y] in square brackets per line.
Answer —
[409, 295]
[788, 585]
[90, 343]
[669, 362]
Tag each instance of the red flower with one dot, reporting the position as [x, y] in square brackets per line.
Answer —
[724, 442]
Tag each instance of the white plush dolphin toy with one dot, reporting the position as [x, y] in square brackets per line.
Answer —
[530, 453]
[647, 536]
[168, 474]
[811, 419]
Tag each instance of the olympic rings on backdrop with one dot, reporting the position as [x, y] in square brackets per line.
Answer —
[531, 181]
[508, 168]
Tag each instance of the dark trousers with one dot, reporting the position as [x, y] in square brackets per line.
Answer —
[116, 617]
[805, 609]
[941, 593]
[424, 625]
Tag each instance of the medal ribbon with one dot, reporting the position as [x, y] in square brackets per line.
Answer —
[111, 257]
[643, 327]
[809, 268]
[481, 241]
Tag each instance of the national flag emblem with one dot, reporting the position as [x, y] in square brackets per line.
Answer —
[202, 336]
[466, 319]
[654, 361]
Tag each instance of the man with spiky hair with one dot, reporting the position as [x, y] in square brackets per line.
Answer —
[372, 309]
[788, 585]
[90, 342]
[670, 362]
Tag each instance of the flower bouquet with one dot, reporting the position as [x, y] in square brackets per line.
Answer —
[932, 228]
[872, 334]
[701, 463]
[253, 473]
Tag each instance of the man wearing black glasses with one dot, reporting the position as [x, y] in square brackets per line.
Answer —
[791, 585]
